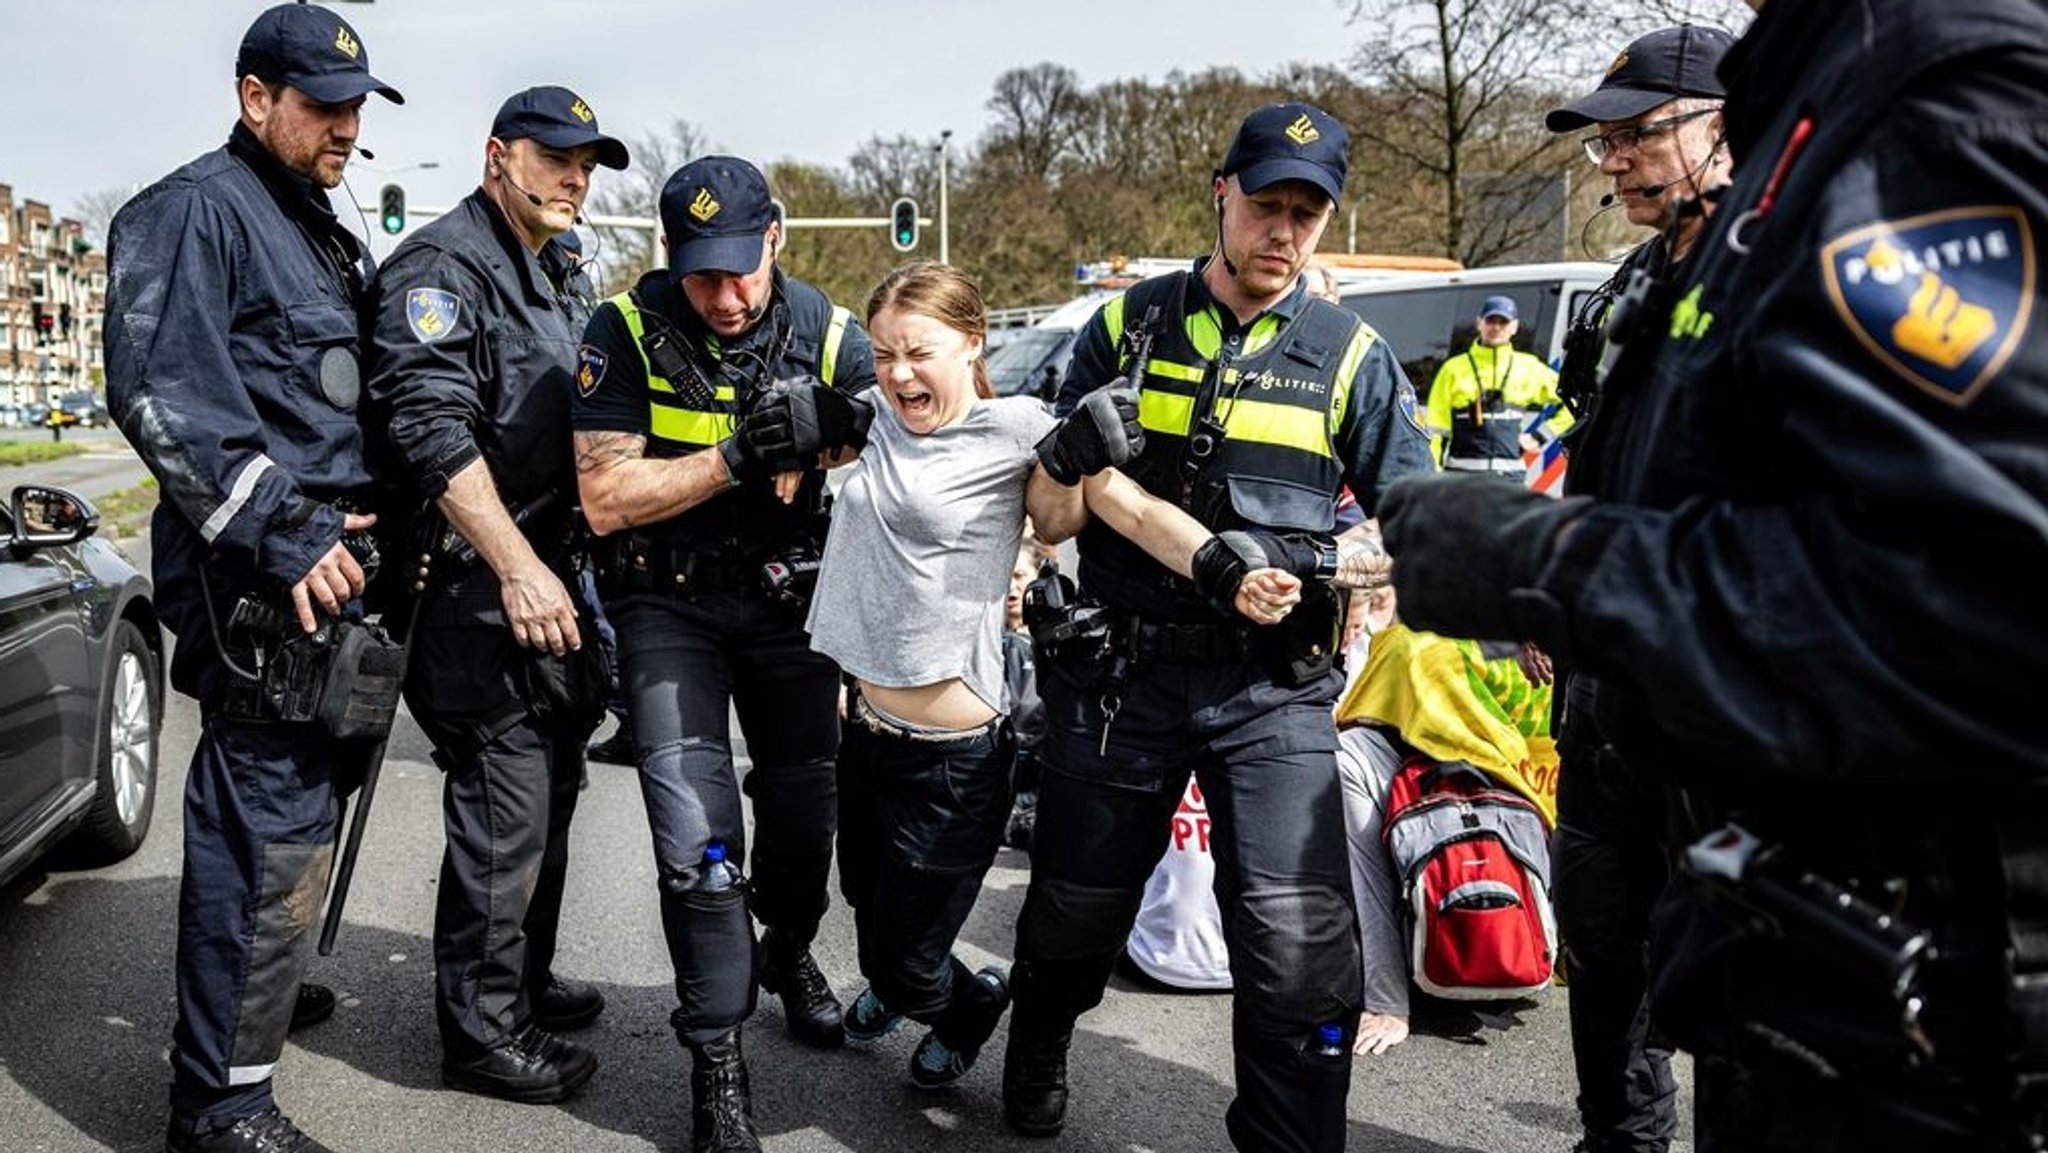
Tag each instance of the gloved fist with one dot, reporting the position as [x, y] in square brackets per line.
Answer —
[1102, 432]
[742, 460]
[797, 419]
[1223, 560]
[1467, 552]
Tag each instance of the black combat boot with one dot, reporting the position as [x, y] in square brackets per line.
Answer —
[1035, 1082]
[814, 1014]
[722, 1104]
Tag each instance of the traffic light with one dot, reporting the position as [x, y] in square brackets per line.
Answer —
[391, 207]
[903, 224]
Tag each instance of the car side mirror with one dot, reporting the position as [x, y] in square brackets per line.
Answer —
[46, 516]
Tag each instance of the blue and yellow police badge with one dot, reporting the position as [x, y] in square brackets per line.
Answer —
[1943, 299]
[431, 313]
[589, 368]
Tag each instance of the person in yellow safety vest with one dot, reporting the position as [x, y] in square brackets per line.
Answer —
[1484, 398]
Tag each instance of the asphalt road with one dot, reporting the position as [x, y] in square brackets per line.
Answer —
[87, 1002]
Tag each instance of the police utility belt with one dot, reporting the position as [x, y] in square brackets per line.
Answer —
[1092, 646]
[636, 565]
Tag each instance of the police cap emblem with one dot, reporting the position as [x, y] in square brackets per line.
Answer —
[1942, 299]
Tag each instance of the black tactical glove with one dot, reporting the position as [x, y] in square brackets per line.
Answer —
[797, 419]
[1223, 560]
[1467, 551]
[1102, 432]
[742, 459]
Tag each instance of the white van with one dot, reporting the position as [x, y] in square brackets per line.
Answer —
[1428, 316]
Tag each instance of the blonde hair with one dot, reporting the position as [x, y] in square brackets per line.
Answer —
[945, 294]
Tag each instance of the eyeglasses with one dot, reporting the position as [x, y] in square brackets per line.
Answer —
[1598, 147]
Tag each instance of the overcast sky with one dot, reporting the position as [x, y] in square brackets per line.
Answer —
[111, 93]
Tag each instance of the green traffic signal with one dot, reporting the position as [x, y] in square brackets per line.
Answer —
[903, 224]
[391, 207]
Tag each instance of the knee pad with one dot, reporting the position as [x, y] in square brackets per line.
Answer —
[1066, 921]
[1294, 960]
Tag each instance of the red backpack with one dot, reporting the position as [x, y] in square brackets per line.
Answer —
[1474, 861]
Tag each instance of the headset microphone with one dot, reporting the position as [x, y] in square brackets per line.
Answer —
[1608, 200]
[364, 152]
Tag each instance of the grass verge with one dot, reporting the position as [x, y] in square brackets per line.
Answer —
[126, 513]
[17, 452]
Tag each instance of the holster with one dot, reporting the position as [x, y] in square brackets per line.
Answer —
[1304, 645]
[346, 676]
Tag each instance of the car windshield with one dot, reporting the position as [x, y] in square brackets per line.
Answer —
[1013, 368]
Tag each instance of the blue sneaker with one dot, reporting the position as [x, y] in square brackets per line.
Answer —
[867, 1019]
[936, 1064]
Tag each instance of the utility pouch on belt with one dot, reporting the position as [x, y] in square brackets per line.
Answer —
[566, 694]
[345, 676]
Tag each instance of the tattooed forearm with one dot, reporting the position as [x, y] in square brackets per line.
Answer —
[595, 450]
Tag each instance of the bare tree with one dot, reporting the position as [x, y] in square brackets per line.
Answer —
[1035, 111]
[628, 252]
[1459, 77]
[96, 211]
[883, 170]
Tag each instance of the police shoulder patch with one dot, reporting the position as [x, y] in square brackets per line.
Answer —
[431, 313]
[1943, 299]
[590, 362]
[1404, 399]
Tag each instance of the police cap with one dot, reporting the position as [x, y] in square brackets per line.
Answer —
[557, 118]
[1655, 69]
[311, 49]
[1289, 141]
[714, 211]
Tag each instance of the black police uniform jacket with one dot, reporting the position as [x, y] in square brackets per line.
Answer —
[801, 333]
[1308, 399]
[233, 367]
[1816, 595]
[474, 356]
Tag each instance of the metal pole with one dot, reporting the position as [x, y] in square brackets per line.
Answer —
[1352, 245]
[945, 245]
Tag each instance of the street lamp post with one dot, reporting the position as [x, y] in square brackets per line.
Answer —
[945, 250]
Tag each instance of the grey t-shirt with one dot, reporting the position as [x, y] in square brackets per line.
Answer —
[923, 539]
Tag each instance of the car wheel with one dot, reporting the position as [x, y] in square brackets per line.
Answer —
[133, 722]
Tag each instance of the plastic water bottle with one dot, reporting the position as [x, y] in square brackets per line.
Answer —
[718, 873]
[1330, 1041]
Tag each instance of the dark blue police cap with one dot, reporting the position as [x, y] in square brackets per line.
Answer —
[313, 50]
[1289, 142]
[1499, 306]
[557, 118]
[714, 211]
[1654, 69]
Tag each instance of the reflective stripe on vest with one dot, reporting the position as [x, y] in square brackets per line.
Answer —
[1279, 412]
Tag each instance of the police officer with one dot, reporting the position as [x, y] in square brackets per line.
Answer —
[1483, 400]
[1258, 404]
[232, 365]
[477, 320]
[1809, 586]
[702, 571]
[1657, 135]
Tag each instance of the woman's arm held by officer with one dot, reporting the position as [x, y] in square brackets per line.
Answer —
[1058, 512]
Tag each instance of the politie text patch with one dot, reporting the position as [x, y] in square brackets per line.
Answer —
[1943, 298]
[431, 313]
